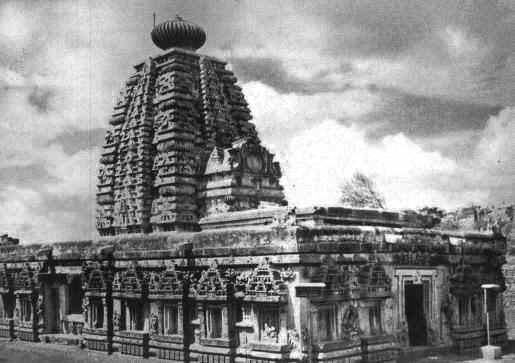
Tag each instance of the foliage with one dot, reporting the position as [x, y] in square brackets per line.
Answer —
[360, 192]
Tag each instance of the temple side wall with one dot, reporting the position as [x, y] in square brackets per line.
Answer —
[268, 293]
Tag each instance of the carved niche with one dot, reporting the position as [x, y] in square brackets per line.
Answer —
[247, 155]
[25, 279]
[6, 281]
[464, 281]
[130, 281]
[264, 284]
[341, 282]
[374, 281]
[212, 283]
[95, 276]
[169, 282]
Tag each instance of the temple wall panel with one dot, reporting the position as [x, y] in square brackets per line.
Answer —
[274, 293]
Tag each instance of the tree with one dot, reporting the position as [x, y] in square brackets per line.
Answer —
[360, 192]
[437, 216]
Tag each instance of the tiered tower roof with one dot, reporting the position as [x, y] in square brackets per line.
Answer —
[181, 145]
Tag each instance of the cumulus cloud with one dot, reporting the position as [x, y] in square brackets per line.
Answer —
[493, 162]
[282, 115]
[47, 92]
[440, 48]
[318, 155]
[36, 217]
[15, 25]
[321, 158]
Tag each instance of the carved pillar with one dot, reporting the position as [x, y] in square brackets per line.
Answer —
[283, 327]
[17, 309]
[254, 319]
[180, 320]
[225, 322]
[364, 321]
[160, 314]
[39, 318]
[127, 315]
[313, 320]
[86, 311]
[104, 306]
[202, 323]
[3, 311]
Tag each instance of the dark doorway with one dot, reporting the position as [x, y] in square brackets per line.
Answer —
[75, 292]
[415, 315]
[52, 307]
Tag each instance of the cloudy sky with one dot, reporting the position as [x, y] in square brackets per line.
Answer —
[419, 95]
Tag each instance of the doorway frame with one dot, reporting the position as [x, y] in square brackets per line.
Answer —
[417, 276]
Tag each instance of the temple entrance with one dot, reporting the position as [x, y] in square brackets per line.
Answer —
[76, 294]
[53, 322]
[415, 314]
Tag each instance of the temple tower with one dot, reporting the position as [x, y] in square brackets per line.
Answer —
[181, 145]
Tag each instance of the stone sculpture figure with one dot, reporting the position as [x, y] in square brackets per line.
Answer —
[350, 322]
[270, 331]
[402, 334]
[116, 320]
[293, 338]
[85, 309]
[154, 324]
[40, 311]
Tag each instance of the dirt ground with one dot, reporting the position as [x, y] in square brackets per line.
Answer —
[23, 352]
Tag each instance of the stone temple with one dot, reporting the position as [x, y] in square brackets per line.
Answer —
[200, 259]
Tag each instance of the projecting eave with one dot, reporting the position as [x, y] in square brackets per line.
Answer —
[313, 216]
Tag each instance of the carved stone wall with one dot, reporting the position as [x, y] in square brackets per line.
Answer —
[284, 291]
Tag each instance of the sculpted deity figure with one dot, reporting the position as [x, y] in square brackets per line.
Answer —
[402, 334]
[270, 331]
[116, 320]
[85, 308]
[154, 324]
[40, 311]
[293, 338]
[447, 308]
[350, 321]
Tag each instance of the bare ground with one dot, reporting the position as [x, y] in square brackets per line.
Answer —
[24, 352]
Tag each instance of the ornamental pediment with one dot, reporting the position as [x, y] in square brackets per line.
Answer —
[338, 281]
[169, 282]
[93, 276]
[373, 280]
[131, 280]
[25, 279]
[6, 282]
[263, 283]
[213, 283]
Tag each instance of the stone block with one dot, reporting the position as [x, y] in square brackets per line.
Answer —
[491, 352]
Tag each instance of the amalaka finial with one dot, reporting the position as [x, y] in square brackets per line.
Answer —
[178, 33]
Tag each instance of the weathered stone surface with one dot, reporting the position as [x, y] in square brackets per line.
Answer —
[159, 170]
